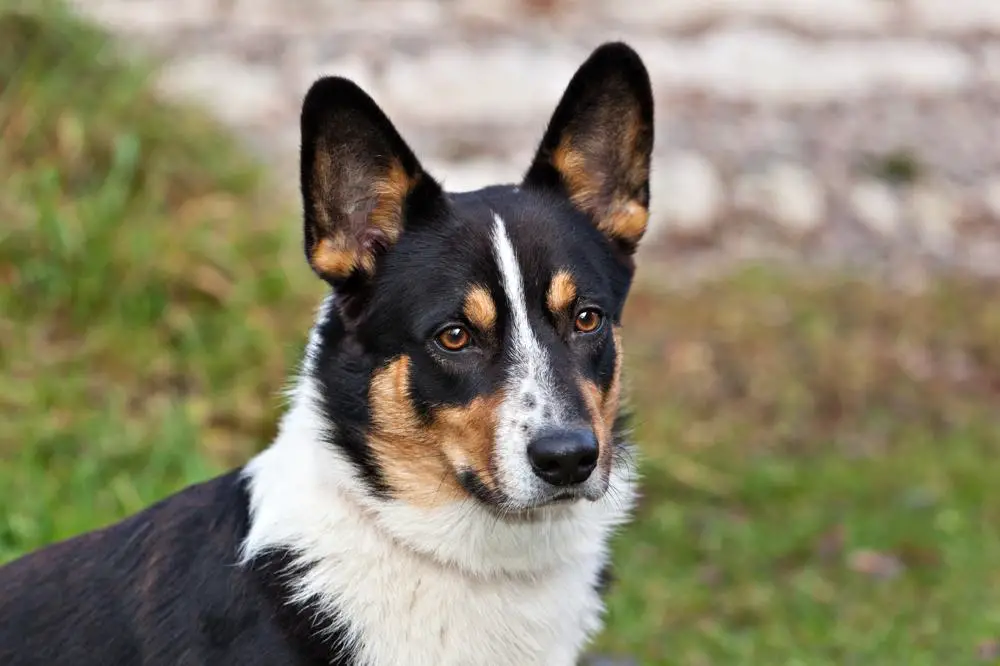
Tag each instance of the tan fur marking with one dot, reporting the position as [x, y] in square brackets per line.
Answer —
[603, 406]
[338, 252]
[603, 169]
[331, 257]
[480, 309]
[627, 221]
[420, 462]
[571, 163]
[562, 292]
[390, 193]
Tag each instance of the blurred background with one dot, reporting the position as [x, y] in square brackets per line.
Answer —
[813, 344]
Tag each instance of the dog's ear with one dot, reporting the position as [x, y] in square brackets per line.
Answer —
[360, 181]
[597, 147]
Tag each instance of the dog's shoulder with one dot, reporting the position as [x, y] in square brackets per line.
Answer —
[161, 587]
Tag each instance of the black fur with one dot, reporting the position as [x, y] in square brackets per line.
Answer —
[160, 588]
[605, 579]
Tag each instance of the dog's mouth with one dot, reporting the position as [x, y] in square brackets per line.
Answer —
[497, 501]
[473, 484]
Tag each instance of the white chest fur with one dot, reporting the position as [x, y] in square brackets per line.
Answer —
[405, 610]
[449, 587]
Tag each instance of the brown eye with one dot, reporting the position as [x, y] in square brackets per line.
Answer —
[454, 338]
[588, 321]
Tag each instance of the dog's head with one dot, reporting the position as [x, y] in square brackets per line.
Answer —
[474, 348]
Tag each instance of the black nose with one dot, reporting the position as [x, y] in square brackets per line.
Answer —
[564, 457]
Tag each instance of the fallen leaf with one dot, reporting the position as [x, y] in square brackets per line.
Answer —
[875, 564]
[989, 650]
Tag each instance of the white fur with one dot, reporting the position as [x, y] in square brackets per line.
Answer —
[444, 587]
[312, 346]
[530, 378]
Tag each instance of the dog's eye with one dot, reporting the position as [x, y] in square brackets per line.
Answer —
[588, 320]
[454, 338]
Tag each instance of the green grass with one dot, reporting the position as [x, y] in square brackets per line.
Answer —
[152, 300]
[821, 475]
[820, 457]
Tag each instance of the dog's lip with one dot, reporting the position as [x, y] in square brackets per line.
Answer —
[496, 499]
[562, 499]
[564, 496]
[585, 491]
[475, 486]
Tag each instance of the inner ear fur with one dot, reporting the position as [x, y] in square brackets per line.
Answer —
[598, 145]
[358, 179]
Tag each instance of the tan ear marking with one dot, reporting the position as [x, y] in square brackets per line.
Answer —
[627, 220]
[604, 168]
[583, 186]
[339, 250]
[390, 196]
[333, 256]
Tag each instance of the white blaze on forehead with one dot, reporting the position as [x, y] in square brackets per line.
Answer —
[531, 403]
[526, 347]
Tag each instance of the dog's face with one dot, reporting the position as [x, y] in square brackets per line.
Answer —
[474, 349]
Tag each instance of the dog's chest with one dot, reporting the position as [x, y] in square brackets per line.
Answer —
[408, 611]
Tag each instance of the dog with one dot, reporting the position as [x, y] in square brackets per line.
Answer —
[454, 458]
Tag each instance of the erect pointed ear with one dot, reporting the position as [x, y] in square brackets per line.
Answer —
[597, 147]
[360, 181]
